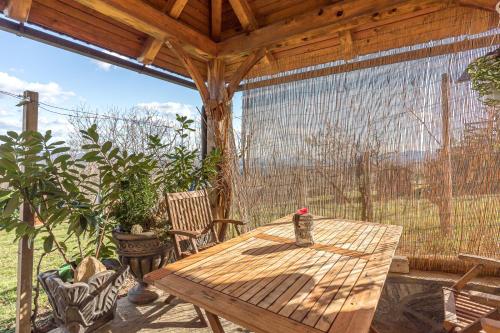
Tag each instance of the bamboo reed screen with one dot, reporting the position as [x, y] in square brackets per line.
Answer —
[407, 144]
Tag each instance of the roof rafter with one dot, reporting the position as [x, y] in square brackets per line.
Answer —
[478, 4]
[18, 9]
[244, 14]
[152, 45]
[153, 22]
[216, 19]
[343, 15]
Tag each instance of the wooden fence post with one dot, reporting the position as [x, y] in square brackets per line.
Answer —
[365, 187]
[446, 206]
[25, 250]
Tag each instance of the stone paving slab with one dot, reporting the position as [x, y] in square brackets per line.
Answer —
[158, 317]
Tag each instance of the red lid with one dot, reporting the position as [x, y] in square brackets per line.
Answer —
[303, 211]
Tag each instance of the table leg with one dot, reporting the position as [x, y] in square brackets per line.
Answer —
[200, 315]
[214, 322]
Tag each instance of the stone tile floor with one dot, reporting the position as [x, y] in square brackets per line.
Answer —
[178, 317]
[409, 303]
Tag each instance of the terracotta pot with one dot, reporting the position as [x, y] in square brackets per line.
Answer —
[143, 253]
[83, 307]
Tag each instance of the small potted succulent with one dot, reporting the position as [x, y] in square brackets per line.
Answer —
[132, 197]
[55, 188]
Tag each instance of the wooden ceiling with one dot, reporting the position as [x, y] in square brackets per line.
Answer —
[277, 35]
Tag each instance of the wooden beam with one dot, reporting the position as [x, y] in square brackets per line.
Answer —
[487, 5]
[150, 51]
[271, 60]
[191, 68]
[216, 19]
[344, 15]
[152, 45]
[25, 251]
[460, 46]
[18, 9]
[177, 8]
[242, 71]
[346, 44]
[153, 22]
[245, 15]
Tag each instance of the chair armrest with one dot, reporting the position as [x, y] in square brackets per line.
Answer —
[490, 325]
[485, 298]
[480, 260]
[235, 222]
[192, 234]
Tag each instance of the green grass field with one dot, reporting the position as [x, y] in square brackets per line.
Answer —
[8, 267]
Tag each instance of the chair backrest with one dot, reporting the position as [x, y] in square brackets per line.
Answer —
[190, 210]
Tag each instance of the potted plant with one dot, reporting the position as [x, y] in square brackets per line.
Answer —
[55, 188]
[484, 73]
[132, 196]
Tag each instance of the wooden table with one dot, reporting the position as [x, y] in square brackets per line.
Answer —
[264, 282]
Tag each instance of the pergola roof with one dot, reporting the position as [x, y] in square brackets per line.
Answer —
[177, 34]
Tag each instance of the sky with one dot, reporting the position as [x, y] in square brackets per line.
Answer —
[70, 80]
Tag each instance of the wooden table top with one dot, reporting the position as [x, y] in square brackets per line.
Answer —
[264, 282]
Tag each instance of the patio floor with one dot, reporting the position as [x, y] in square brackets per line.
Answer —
[410, 303]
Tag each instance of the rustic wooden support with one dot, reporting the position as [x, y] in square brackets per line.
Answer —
[340, 16]
[446, 204]
[478, 4]
[243, 70]
[346, 43]
[18, 9]
[25, 251]
[191, 68]
[216, 19]
[152, 45]
[142, 17]
[245, 14]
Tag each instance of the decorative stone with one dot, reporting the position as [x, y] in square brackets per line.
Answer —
[136, 229]
[143, 253]
[304, 225]
[400, 264]
[87, 268]
[83, 307]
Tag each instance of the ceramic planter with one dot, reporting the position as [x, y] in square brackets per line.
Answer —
[143, 253]
[83, 307]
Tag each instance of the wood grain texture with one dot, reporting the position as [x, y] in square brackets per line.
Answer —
[264, 282]
[18, 9]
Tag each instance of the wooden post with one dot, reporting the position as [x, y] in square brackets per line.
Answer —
[25, 250]
[365, 187]
[203, 132]
[446, 206]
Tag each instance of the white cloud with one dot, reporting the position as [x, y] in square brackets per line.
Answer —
[49, 92]
[102, 65]
[171, 109]
[107, 66]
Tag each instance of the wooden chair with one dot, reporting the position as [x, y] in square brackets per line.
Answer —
[463, 310]
[193, 227]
